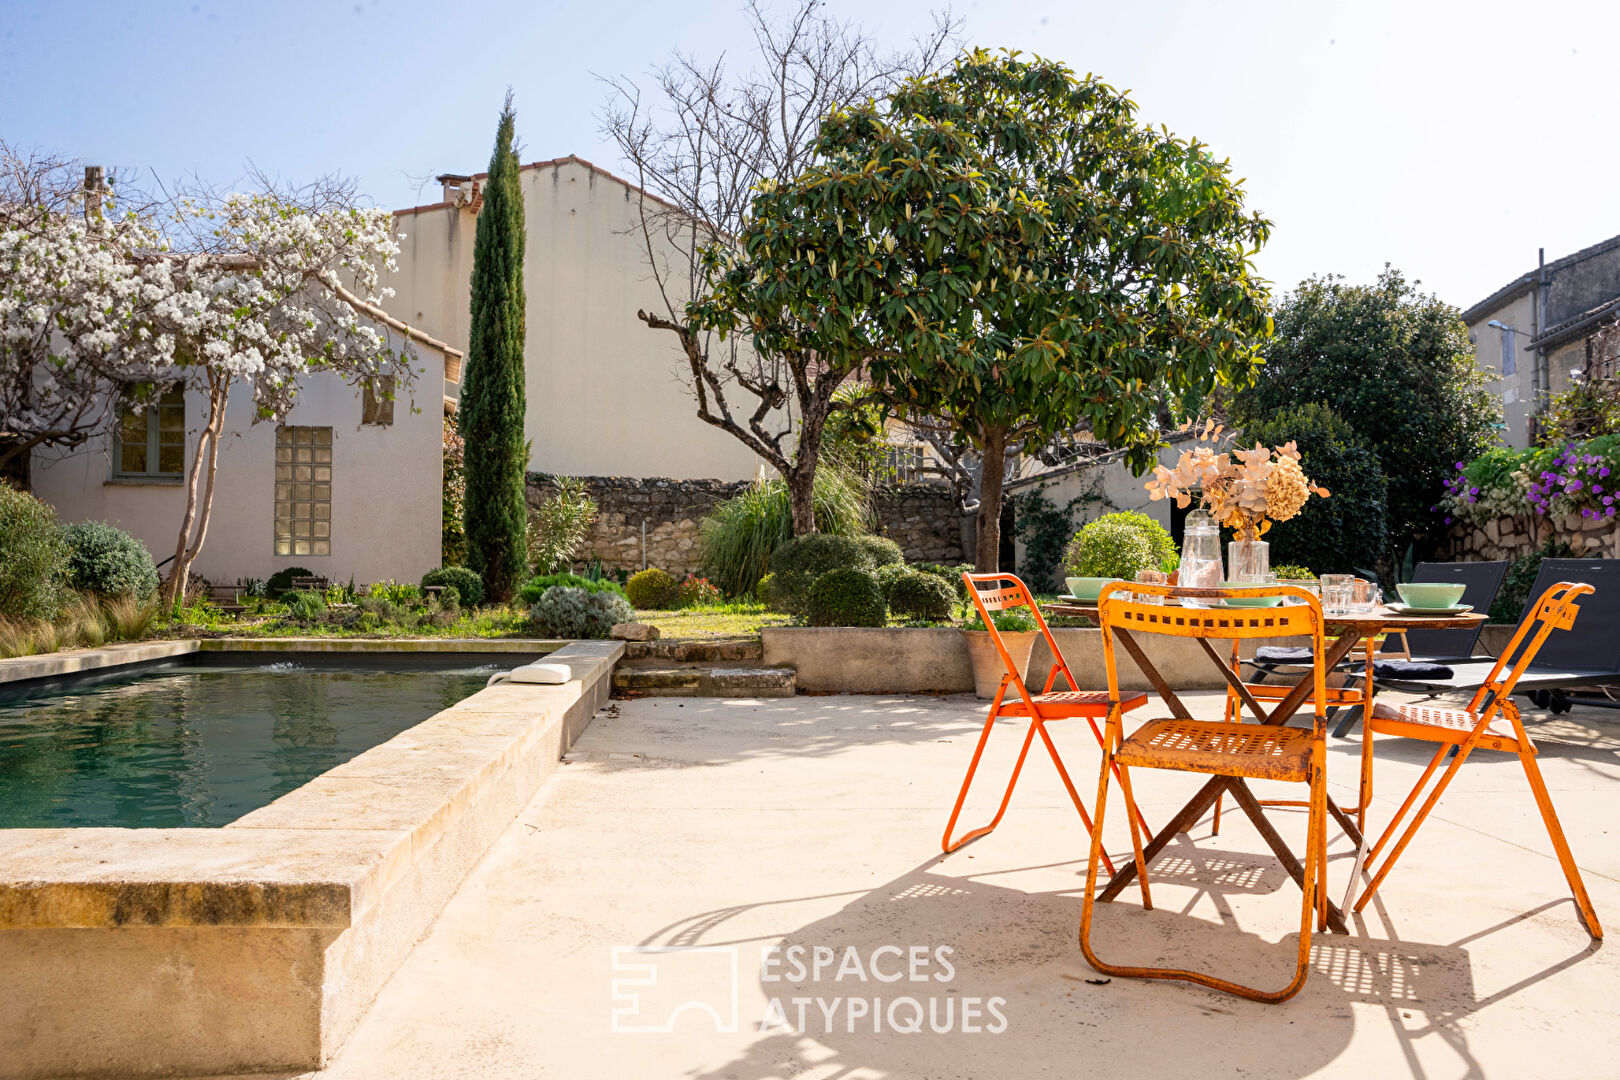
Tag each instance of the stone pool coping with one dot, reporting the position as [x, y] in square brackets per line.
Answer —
[259, 945]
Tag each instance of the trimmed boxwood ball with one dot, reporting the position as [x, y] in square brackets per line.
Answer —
[888, 575]
[652, 590]
[884, 552]
[468, 585]
[578, 613]
[926, 597]
[847, 597]
[797, 564]
[951, 575]
[105, 559]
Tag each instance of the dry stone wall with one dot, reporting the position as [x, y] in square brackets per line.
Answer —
[656, 521]
[1510, 537]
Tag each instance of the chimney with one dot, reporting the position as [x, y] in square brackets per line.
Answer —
[95, 183]
[454, 193]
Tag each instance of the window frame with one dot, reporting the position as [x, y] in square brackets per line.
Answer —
[152, 414]
[299, 527]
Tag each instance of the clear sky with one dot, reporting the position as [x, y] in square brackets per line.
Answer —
[1451, 139]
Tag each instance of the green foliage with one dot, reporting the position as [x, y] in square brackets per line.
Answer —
[741, 534]
[1292, 572]
[1045, 530]
[992, 244]
[304, 605]
[920, 596]
[559, 524]
[395, 592]
[579, 613]
[1346, 530]
[107, 561]
[492, 395]
[882, 550]
[33, 557]
[856, 433]
[280, 581]
[453, 497]
[536, 586]
[887, 575]
[652, 590]
[1520, 577]
[697, 592]
[468, 585]
[1591, 406]
[1396, 365]
[1009, 621]
[846, 597]
[952, 574]
[797, 564]
[1121, 545]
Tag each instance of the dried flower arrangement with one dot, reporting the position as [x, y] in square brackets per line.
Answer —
[1246, 490]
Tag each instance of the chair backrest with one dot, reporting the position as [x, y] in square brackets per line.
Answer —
[1002, 592]
[1552, 609]
[1119, 607]
[1596, 645]
[1480, 581]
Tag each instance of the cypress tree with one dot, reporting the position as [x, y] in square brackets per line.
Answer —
[492, 396]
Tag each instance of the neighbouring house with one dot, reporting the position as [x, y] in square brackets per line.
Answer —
[349, 486]
[606, 395]
[1533, 332]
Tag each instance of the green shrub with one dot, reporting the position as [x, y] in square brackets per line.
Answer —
[697, 592]
[652, 590]
[305, 605]
[951, 574]
[33, 557]
[468, 585]
[1012, 621]
[1289, 572]
[1520, 577]
[106, 560]
[925, 597]
[578, 613]
[742, 534]
[558, 525]
[846, 597]
[280, 581]
[536, 587]
[1160, 544]
[1109, 547]
[888, 575]
[884, 552]
[798, 563]
[1347, 530]
[399, 593]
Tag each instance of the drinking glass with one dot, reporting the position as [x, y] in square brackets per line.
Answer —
[1151, 577]
[1337, 593]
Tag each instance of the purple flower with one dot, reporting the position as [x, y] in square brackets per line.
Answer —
[1448, 521]
[1603, 471]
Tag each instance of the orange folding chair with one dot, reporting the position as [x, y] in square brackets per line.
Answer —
[1230, 750]
[1480, 726]
[1001, 592]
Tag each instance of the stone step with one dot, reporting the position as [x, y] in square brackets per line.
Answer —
[702, 652]
[653, 679]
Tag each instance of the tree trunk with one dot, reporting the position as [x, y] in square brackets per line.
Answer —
[801, 485]
[987, 541]
[198, 503]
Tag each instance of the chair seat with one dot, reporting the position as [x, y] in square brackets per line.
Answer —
[1435, 724]
[1261, 751]
[1421, 670]
[1062, 703]
[1283, 654]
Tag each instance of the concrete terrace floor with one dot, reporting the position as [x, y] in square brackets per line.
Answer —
[815, 821]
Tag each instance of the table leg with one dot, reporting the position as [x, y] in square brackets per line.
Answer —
[1251, 806]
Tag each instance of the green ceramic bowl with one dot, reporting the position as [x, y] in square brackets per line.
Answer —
[1431, 594]
[1248, 601]
[1087, 588]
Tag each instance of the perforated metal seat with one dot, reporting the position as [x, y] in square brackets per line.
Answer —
[1260, 751]
[1441, 725]
[1065, 703]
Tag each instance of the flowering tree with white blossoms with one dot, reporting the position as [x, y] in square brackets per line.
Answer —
[258, 289]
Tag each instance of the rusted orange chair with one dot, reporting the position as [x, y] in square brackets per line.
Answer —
[1221, 748]
[1481, 726]
[1001, 592]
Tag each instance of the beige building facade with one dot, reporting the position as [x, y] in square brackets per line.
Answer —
[606, 395]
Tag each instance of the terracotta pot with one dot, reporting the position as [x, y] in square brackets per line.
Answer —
[987, 665]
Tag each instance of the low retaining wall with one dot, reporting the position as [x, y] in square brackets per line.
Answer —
[258, 946]
[854, 660]
[1512, 536]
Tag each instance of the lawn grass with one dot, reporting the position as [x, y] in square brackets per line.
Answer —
[738, 619]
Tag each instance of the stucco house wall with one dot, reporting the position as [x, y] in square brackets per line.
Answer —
[606, 395]
[386, 484]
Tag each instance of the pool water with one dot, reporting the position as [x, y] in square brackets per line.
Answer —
[201, 746]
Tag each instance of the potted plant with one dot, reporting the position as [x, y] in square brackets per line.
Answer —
[1017, 629]
[1116, 547]
[1246, 491]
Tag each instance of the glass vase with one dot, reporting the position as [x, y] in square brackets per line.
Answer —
[1248, 561]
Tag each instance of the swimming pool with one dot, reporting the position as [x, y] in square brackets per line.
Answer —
[200, 745]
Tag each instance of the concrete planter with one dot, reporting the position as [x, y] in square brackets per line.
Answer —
[987, 665]
[855, 660]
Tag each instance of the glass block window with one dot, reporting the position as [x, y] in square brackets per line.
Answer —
[150, 440]
[303, 490]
